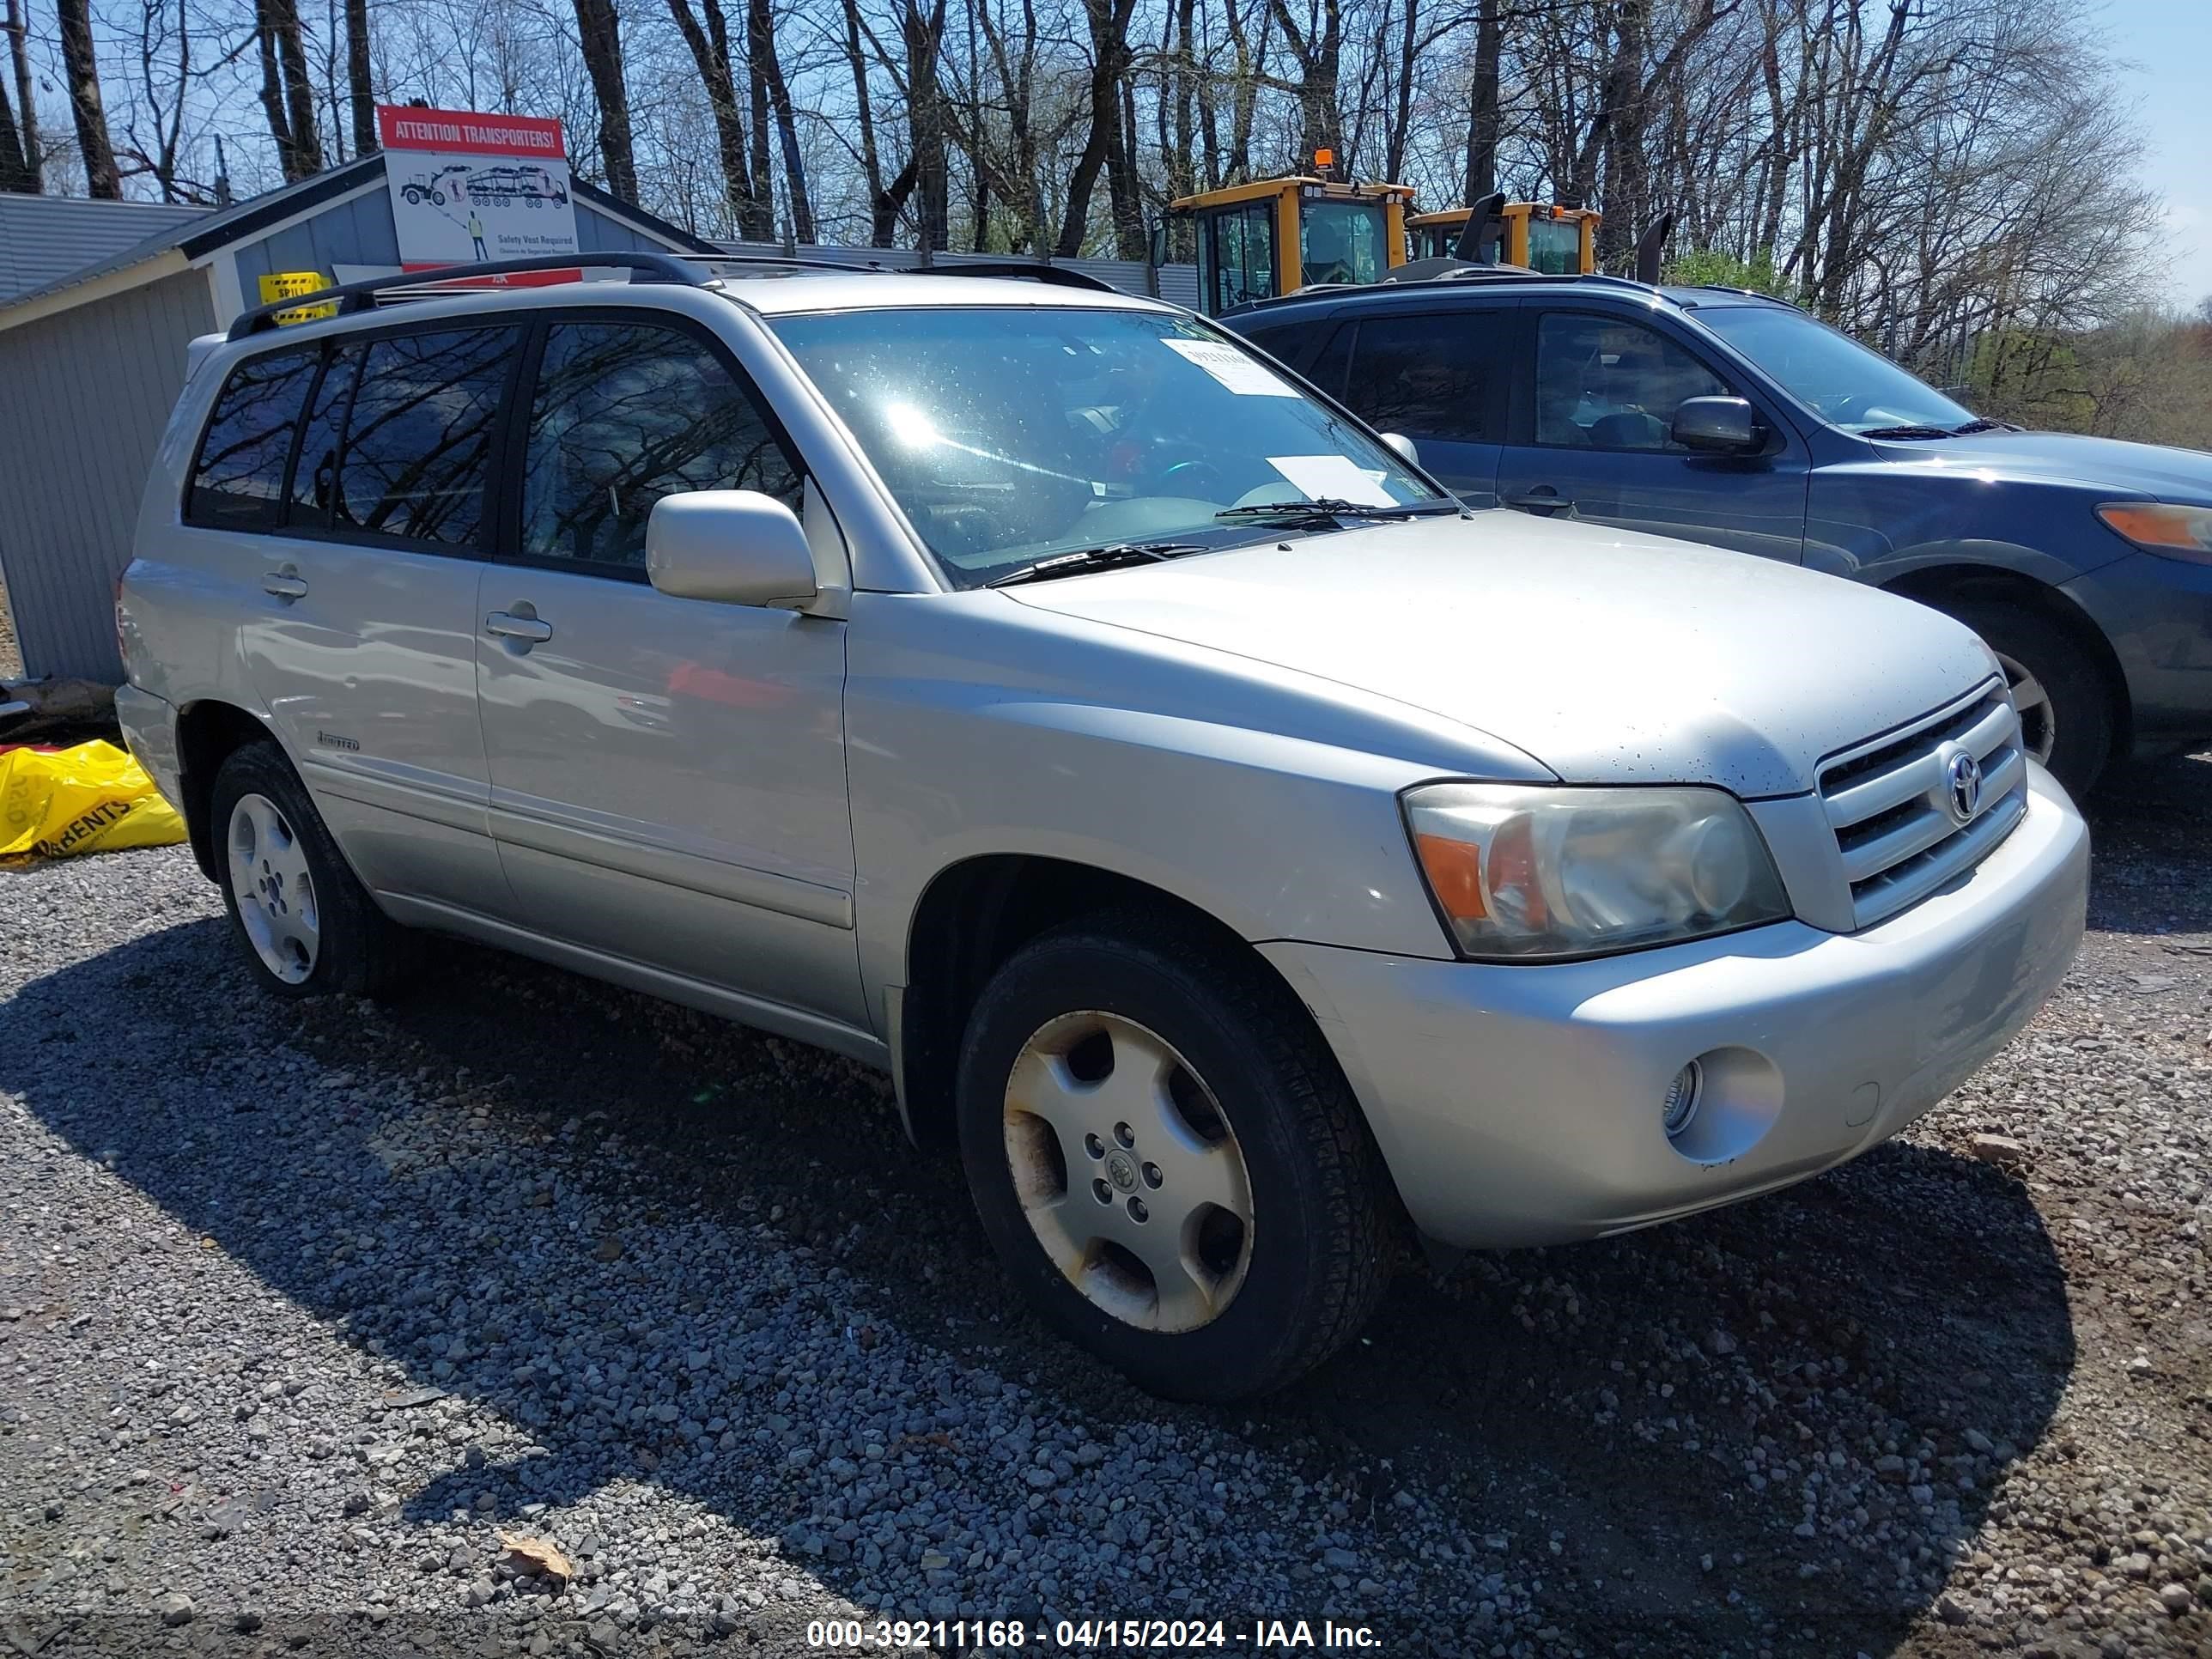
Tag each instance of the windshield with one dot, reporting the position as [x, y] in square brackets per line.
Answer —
[1848, 385]
[1340, 241]
[1555, 246]
[1011, 434]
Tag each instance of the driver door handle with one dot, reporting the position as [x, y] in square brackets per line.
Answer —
[285, 584]
[1542, 499]
[506, 625]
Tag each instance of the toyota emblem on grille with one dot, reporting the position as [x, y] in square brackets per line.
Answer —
[1962, 781]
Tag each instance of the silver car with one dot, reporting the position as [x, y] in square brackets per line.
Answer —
[1236, 849]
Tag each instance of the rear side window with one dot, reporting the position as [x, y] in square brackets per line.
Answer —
[418, 443]
[315, 474]
[238, 481]
[624, 414]
[1436, 375]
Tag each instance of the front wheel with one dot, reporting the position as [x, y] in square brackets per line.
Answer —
[1168, 1162]
[306, 925]
[2065, 711]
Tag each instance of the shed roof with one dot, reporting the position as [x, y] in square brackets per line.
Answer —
[44, 238]
[206, 232]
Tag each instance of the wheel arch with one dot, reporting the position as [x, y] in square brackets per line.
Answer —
[209, 731]
[972, 916]
[1931, 585]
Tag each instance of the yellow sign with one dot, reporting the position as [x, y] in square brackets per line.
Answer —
[283, 284]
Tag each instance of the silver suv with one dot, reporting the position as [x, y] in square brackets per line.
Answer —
[1235, 848]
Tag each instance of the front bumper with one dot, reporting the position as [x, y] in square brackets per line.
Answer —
[1520, 1104]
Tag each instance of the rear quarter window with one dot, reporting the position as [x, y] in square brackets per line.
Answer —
[238, 478]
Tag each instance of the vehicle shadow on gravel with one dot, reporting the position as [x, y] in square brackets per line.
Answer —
[1770, 1427]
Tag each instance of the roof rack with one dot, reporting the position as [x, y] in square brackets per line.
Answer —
[1034, 271]
[350, 297]
[643, 267]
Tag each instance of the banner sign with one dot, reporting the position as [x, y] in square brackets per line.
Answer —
[468, 187]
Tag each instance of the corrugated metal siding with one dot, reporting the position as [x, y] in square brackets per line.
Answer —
[1178, 284]
[353, 233]
[361, 233]
[44, 238]
[83, 398]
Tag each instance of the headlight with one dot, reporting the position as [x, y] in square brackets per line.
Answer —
[2174, 532]
[1521, 871]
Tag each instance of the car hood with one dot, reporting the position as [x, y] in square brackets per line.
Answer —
[1611, 657]
[2173, 474]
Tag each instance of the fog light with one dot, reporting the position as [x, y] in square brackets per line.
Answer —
[1680, 1104]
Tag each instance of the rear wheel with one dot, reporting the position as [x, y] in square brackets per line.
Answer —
[2065, 711]
[1167, 1161]
[306, 923]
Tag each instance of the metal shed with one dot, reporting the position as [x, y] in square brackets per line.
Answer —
[91, 364]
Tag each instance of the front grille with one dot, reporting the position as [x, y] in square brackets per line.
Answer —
[1889, 802]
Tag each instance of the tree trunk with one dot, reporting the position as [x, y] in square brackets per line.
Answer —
[359, 92]
[1401, 108]
[15, 171]
[1626, 183]
[102, 180]
[924, 32]
[19, 53]
[1482, 127]
[306, 159]
[598, 32]
[1320, 56]
[710, 51]
[864, 116]
[760, 35]
[1109, 21]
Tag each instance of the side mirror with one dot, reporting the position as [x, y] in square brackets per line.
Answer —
[1719, 426]
[1403, 447]
[732, 546]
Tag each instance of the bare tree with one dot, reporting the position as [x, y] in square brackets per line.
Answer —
[360, 93]
[19, 54]
[710, 50]
[102, 180]
[599, 35]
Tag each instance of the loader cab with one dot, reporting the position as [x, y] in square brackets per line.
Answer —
[1555, 241]
[1274, 236]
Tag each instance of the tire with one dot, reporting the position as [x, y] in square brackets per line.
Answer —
[2065, 709]
[306, 925]
[1246, 1143]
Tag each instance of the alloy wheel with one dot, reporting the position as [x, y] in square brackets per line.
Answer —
[2039, 725]
[273, 889]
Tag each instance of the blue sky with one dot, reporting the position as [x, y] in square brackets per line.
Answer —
[2166, 45]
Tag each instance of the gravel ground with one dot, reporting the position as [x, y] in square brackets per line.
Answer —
[301, 1309]
[11, 658]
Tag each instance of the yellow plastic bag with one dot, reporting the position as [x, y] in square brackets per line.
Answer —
[91, 799]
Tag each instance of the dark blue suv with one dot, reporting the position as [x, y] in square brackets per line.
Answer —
[1727, 417]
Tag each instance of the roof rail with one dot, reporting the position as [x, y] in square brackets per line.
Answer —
[350, 297]
[1035, 270]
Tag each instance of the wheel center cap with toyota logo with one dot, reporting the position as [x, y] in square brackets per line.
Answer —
[1121, 1171]
[1962, 784]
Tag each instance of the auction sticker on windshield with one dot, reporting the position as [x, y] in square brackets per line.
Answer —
[1232, 368]
[1333, 477]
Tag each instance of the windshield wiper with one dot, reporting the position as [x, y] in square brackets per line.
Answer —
[1907, 432]
[1109, 557]
[1333, 507]
[1983, 425]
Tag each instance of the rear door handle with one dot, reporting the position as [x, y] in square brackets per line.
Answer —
[506, 625]
[284, 584]
[1542, 499]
